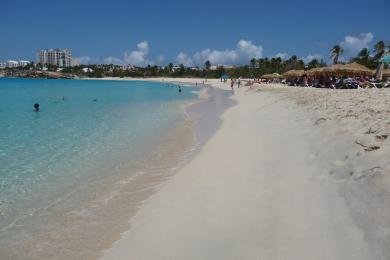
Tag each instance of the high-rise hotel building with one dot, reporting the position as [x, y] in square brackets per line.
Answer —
[56, 57]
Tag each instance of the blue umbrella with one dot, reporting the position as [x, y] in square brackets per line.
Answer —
[385, 59]
[225, 76]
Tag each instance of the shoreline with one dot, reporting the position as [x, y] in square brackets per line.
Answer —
[266, 171]
[286, 176]
[82, 235]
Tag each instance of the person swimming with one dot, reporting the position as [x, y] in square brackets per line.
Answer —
[36, 107]
[179, 88]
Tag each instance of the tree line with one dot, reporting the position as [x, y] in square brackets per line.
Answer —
[254, 69]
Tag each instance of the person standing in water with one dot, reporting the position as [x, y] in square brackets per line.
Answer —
[36, 107]
[179, 88]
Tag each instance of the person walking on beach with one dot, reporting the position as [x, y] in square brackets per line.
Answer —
[232, 84]
[238, 83]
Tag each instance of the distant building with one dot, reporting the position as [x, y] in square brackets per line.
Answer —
[175, 68]
[56, 57]
[215, 67]
[85, 70]
[12, 64]
[127, 67]
[23, 63]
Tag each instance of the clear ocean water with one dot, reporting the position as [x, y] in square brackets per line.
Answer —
[84, 131]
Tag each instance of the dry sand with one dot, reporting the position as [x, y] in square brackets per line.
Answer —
[292, 173]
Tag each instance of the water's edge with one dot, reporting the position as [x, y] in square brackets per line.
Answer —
[85, 234]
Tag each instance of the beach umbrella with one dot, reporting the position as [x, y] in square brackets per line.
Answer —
[315, 71]
[385, 59]
[386, 73]
[350, 69]
[357, 69]
[272, 76]
[267, 76]
[293, 73]
[224, 76]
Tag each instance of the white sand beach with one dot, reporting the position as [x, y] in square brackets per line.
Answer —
[291, 173]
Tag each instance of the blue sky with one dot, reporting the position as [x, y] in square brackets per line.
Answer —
[226, 32]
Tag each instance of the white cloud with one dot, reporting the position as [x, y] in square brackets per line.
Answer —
[183, 58]
[353, 44]
[244, 51]
[311, 57]
[83, 60]
[160, 60]
[138, 57]
[282, 55]
[143, 46]
[112, 60]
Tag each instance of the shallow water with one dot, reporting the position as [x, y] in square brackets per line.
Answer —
[84, 134]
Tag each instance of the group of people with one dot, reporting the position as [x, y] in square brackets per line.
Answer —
[332, 82]
[233, 81]
[37, 107]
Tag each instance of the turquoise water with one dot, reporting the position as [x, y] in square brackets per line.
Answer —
[74, 140]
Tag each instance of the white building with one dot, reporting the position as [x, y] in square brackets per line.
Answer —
[23, 63]
[215, 67]
[56, 57]
[12, 64]
[85, 70]
[127, 67]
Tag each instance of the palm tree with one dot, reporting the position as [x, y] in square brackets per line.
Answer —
[170, 66]
[253, 62]
[364, 53]
[335, 53]
[379, 49]
[207, 64]
[364, 58]
[314, 63]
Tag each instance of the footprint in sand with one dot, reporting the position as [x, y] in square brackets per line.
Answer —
[369, 173]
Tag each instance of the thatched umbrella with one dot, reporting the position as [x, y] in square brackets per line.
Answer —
[293, 73]
[350, 69]
[358, 69]
[272, 76]
[315, 71]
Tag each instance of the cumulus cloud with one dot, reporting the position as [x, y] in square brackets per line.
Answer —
[138, 57]
[112, 60]
[353, 44]
[83, 60]
[244, 51]
[311, 57]
[183, 58]
[160, 60]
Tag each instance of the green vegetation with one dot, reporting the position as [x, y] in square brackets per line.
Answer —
[335, 53]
